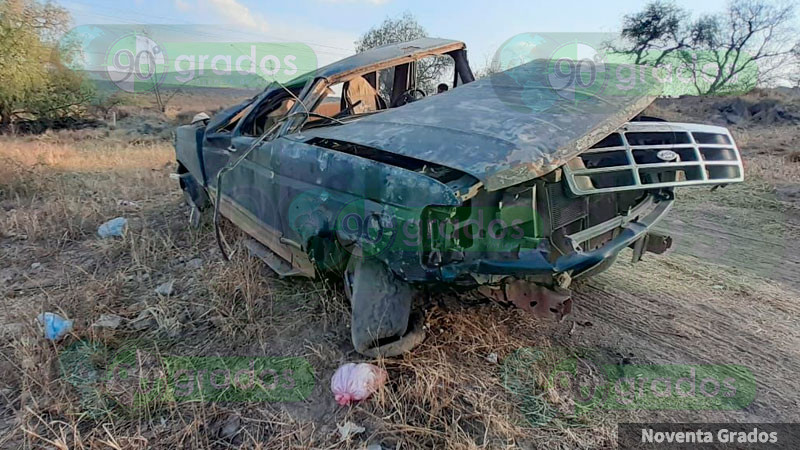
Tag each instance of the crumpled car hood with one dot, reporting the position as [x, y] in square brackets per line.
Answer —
[503, 130]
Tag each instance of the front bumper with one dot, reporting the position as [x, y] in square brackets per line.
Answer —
[535, 262]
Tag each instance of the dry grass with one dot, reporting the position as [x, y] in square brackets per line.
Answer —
[59, 189]
[56, 189]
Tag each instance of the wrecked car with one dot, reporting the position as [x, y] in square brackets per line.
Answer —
[496, 185]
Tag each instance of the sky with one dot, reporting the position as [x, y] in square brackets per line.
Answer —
[330, 27]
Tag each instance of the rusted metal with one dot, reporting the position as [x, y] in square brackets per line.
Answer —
[540, 301]
[482, 129]
[658, 243]
[653, 242]
[267, 236]
[387, 56]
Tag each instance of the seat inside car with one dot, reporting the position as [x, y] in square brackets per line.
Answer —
[359, 90]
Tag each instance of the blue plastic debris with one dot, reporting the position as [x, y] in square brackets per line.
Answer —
[114, 227]
[55, 326]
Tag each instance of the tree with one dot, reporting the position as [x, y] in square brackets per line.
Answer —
[655, 32]
[794, 66]
[402, 29]
[490, 67]
[749, 43]
[751, 39]
[35, 82]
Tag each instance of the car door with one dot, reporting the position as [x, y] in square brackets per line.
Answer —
[251, 185]
[218, 137]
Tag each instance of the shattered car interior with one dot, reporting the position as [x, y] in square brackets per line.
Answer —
[496, 185]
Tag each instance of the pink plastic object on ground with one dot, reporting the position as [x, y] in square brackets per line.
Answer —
[354, 382]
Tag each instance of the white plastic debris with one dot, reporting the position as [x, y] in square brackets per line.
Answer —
[108, 321]
[114, 227]
[166, 289]
[349, 429]
[355, 382]
[55, 326]
[200, 117]
[127, 204]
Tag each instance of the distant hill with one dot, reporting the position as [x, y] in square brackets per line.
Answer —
[237, 84]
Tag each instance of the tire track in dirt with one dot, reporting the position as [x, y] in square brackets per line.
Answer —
[703, 304]
[707, 238]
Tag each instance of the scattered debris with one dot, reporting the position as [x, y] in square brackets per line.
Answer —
[112, 321]
[55, 326]
[114, 227]
[492, 358]
[349, 429]
[36, 266]
[355, 382]
[166, 289]
[127, 204]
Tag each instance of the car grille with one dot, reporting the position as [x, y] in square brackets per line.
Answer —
[564, 210]
[644, 155]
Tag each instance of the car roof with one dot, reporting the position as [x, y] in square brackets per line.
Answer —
[386, 56]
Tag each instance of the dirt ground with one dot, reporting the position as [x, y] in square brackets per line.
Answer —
[729, 293]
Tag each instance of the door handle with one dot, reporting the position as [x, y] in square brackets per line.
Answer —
[231, 148]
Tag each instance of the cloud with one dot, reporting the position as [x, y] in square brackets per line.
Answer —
[234, 13]
[182, 5]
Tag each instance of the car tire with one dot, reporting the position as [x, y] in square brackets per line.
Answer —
[382, 323]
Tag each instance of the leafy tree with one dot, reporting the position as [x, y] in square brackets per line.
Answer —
[402, 29]
[659, 26]
[34, 82]
[794, 66]
[751, 38]
[748, 40]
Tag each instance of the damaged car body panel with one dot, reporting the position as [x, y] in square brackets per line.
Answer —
[387, 56]
[500, 184]
[485, 130]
